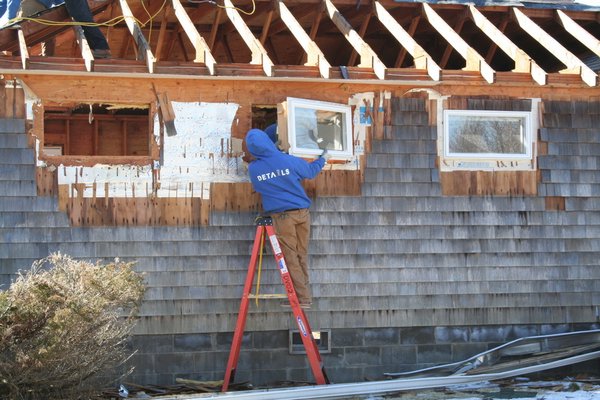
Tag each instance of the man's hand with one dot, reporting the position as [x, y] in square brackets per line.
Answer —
[325, 154]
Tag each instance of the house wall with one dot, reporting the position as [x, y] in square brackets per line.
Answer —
[403, 275]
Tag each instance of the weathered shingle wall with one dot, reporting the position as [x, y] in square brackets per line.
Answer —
[403, 276]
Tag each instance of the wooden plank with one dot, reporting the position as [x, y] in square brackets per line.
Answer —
[266, 25]
[46, 182]
[448, 51]
[144, 52]
[234, 197]
[84, 46]
[162, 31]
[554, 203]
[214, 28]
[203, 54]
[474, 61]
[131, 211]
[558, 50]
[259, 54]
[523, 63]
[361, 32]
[578, 32]
[23, 49]
[368, 58]
[315, 56]
[406, 40]
[489, 183]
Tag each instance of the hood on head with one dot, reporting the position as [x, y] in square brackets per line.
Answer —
[259, 144]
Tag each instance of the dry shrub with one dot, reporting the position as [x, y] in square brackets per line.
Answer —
[63, 322]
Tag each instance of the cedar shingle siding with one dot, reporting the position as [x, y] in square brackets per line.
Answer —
[403, 276]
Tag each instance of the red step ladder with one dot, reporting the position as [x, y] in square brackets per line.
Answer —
[265, 224]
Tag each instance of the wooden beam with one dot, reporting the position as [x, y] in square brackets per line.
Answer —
[23, 49]
[361, 32]
[421, 59]
[523, 63]
[573, 63]
[314, 55]
[203, 54]
[368, 58]
[414, 23]
[215, 28]
[474, 61]
[578, 32]
[259, 54]
[144, 53]
[448, 51]
[162, 31]
[86, 52]
[314, 27]
[489, 56]
[266, 25]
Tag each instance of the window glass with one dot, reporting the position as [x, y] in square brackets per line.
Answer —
[320, 129]
[487, 134]
[317, 125]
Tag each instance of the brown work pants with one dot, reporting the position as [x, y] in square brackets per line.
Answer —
[293, 230]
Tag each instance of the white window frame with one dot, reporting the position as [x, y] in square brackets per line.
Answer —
[527, 126]
[345, 110]
[490, 161]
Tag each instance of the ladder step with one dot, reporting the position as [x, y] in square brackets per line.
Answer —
[268, 296]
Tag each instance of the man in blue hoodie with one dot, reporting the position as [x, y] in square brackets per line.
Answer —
[278, 178]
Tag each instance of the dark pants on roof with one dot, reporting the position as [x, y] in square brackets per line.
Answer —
[80, 11]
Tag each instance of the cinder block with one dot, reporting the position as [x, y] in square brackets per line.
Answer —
[192, 342]
[434, 353]
[347, 337]
[418, 335]
[152, 343]
[362, 356]
[399, 355]
[382, 336]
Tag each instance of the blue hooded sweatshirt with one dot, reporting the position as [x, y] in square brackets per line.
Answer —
[278, 176]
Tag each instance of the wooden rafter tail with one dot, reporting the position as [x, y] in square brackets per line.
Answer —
[84, 46]
[144, 51]
[259, 54]
[523, 63]
[203, 54]
[368, 58]
[574, 64]
[23, 49]
[421, 58]
[314, 55]
[578, 32]
[474, 61]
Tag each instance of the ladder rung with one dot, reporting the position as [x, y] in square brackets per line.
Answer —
[268, 296]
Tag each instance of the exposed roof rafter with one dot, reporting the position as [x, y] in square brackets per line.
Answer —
[259, 54]
[421, 59]
[314, 55]
[86, 52]
[578, 32]
[203, 54]
[23, 49]
[144, 53]
[474, 61]
[523, 63]
[368, 58]
[162, 31]
[574, 64]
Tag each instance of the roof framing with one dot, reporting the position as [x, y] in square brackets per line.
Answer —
[378, 36]
[574, 64]
[523, 63]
